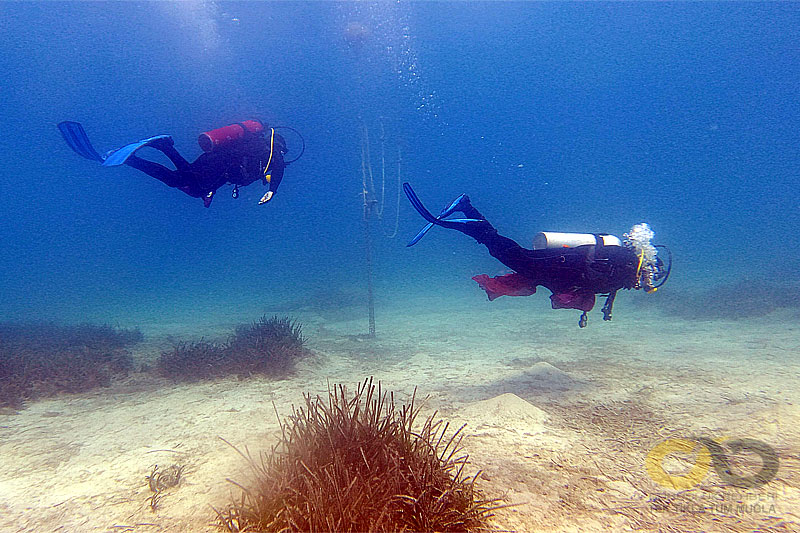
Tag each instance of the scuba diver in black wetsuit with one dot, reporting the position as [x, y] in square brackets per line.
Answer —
[240, 162]
[239, 154]
[574, 267]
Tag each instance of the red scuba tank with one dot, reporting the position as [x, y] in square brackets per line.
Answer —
[211, 140]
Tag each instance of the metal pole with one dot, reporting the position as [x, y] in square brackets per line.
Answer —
[368, 261]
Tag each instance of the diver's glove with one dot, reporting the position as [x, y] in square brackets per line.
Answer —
[266, 198]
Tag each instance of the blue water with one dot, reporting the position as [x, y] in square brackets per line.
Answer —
[552, 116]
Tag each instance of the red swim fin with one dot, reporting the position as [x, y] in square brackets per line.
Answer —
[507, 285]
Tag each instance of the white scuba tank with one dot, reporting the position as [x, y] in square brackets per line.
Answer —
[554, 239]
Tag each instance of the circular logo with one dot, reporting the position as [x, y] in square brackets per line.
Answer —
[655, 467]
[722, 465]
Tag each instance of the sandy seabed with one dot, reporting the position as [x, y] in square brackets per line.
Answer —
[560, 420]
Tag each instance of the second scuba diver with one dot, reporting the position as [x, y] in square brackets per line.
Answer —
[575, 267]
[239, 154]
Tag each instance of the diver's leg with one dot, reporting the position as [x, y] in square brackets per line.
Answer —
[508, 252]
[172, 178]
[167, 147]
[179, 179]
[465, 206]
[482, 231]
[177, 159]
[476, 226]
[505, 250]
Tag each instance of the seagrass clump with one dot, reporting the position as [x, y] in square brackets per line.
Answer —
[44, 359]
[193, 361]
[356, 463]
[268, 346]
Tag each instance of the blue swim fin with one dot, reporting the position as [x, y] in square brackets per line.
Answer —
[433, 221]
[447, 211]
[118, 157]
[76, 138]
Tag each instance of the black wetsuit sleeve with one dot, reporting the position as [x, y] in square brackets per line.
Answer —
[276, 168]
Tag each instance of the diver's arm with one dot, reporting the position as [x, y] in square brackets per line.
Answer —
[609, 305]
[273, 177]
[277, 176]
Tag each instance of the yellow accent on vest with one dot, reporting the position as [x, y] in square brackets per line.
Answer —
[269, 161]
